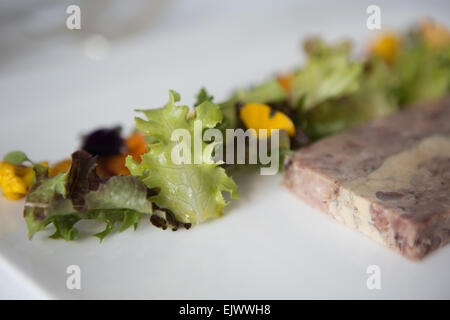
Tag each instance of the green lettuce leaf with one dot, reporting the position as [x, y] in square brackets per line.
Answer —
[16, 157]
[424, 73]
[203, 96]
[270, 91]
[328, 74]
[193, 192]
[80, 194]
[375, 97]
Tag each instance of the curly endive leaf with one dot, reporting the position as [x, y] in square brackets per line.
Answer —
[193, 192]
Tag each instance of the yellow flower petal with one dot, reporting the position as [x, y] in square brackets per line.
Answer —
[386, 46]
[258, 116]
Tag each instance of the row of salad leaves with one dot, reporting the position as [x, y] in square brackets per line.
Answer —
[171, 195]
[330, 93]
[334, 91]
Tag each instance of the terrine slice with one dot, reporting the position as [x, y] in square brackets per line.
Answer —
[389, 179]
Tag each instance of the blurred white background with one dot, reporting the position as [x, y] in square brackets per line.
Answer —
[56, 83]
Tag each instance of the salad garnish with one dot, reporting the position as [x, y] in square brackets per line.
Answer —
[120, 180]
[80, 194]
[193, 192]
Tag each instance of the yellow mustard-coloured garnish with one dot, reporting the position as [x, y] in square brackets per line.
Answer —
[386, 46]
[258, 116]
[436, 35]
[15, 181]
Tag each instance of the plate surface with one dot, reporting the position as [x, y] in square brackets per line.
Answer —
[57, 85]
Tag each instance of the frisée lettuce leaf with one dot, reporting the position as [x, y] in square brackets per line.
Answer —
[192, 190]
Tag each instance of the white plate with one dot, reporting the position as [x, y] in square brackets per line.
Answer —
[269, 244]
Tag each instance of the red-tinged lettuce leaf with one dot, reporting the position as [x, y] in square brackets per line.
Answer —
[82, 179]
[80, 194]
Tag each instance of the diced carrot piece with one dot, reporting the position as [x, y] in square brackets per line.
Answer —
[136, 145]
[62, 166]
[116, 165]
[285, 81]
